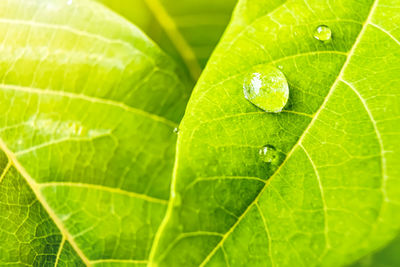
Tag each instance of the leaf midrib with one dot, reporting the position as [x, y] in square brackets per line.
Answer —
[299, 141]
[177, 39]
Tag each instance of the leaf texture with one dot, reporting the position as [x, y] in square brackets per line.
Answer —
[88, 108]
[335, 197]
[386, 257]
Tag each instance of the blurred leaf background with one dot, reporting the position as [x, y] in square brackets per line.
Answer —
[188, 30]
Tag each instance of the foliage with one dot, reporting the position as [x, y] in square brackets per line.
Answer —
[89, 108]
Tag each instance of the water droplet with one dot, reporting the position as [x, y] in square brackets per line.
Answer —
[322, 33]
[176, 130]
[269, 154]
[266, 87]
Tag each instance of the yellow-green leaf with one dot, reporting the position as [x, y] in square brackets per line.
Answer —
[386, 257]
[88, 105]
[336, 195]
[186, 29]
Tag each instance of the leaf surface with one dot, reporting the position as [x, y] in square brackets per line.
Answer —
[335, 197]
[386, 257]
[88, 108]
[186, 29]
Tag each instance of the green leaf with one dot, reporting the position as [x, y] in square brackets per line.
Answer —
[186, 29]
[336, 195]
[386, 257]
[88, 108]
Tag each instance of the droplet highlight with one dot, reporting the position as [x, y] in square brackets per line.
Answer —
[176, 130]
[266, 87]
[322, 33]
[269, 154]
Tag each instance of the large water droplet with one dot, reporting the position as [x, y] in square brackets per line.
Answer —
[322, 33]
[266, 87]
[269, 154]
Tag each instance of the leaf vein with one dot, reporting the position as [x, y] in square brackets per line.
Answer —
[92, 99]
[325, 206]
[385, 32]
[59, 251]
[35, 188]
[105, 188]
[8, 166]
[267, 232]
[74, 31]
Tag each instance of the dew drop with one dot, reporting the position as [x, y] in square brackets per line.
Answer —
[269, 154]
[266, 87]
[322, 33]
[176, 130]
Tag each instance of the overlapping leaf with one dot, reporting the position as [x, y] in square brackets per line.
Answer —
[386, 257]
[187, 29]
[88, 108]
[336, 195]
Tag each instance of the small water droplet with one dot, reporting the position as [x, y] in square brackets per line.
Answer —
[176, 130]
[280, 67]
[322, 33]
[269, 154]
[267, 88]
